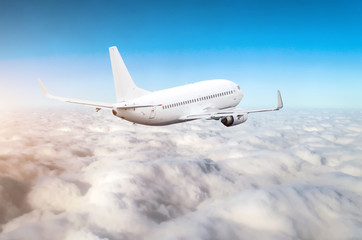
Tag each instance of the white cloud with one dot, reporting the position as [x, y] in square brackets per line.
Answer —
[85, 175]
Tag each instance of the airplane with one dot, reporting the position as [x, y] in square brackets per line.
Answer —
[211, 100]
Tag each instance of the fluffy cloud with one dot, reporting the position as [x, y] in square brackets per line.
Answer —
[85, 175]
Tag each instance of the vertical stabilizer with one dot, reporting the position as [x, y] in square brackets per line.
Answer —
[126, 89]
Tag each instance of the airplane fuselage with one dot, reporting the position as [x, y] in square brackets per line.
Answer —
[174, 103]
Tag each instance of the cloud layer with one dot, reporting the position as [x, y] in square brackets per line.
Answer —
[85, 175]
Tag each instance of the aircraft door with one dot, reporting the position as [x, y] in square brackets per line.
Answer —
[153, 113]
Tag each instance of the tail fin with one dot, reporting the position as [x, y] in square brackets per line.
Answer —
[126, 89]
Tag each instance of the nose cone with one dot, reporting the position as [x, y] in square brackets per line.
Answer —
[241, 95]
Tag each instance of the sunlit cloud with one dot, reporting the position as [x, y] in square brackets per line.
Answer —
[86, 175]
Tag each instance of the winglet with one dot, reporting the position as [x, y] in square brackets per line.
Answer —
[280, 101]
[46, 93]
[280, 106]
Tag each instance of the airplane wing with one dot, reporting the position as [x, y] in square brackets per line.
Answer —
[217, 114]
[77, 101]
[280, 106]
[209, 114]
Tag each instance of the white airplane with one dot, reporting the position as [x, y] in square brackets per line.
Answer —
[211, 99]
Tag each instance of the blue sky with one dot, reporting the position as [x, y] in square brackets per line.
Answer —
[310, 50]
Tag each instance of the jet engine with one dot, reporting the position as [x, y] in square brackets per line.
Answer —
[234, 119]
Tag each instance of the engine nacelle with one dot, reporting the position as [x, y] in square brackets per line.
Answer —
[234, 119]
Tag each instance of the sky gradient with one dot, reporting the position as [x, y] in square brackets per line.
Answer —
[310, 50]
